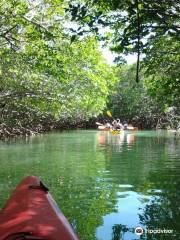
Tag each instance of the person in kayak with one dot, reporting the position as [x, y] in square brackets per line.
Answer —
[117, 125]
[125, 126]
[107, 124]
[114, 124]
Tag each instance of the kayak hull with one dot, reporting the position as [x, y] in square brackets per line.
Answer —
[32, 211]
[114, 132]
[102, 128]
[131, 129]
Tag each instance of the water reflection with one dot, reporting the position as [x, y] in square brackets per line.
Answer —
[105, 184]
[130, 138]
[117, 141]
[163, 211]
[148, 177]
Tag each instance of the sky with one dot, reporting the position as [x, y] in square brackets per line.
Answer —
[109, 56]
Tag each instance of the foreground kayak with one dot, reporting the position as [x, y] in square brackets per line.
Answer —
[31, 213]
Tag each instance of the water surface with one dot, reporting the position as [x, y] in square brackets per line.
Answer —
[106, 185]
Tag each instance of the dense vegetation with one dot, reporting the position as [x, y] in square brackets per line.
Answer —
[151, 30]
[46, 80]
[54, 77]
[152, 103]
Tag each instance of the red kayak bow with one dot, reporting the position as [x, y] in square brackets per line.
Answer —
[31, 213]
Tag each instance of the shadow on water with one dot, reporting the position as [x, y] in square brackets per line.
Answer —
[105, 184]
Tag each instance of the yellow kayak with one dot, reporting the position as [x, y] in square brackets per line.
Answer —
[113, 131]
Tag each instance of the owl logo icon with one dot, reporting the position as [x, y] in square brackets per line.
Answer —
[139, 231]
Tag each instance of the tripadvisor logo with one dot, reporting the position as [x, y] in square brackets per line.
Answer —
[139, 231]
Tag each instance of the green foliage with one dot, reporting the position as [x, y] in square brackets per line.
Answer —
[43, 75]
[154, 102]
[143, 27]
[132, 103]
[130, 22]
[162, 65]
[47, 75]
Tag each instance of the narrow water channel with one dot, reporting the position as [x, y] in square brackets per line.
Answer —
[106, 185]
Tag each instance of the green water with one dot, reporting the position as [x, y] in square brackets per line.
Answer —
[106, 185]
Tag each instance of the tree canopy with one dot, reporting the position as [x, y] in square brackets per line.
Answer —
[43, 74]
[128, 20]
[52, 72]
[132, 24]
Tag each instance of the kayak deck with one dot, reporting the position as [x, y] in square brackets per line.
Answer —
[32, 211]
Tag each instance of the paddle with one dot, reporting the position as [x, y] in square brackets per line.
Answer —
[99, 124]
[109, 114]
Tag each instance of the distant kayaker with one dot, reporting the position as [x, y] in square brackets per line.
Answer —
[125, 126]
[114, 124]
[107, 124]
[117, 125]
